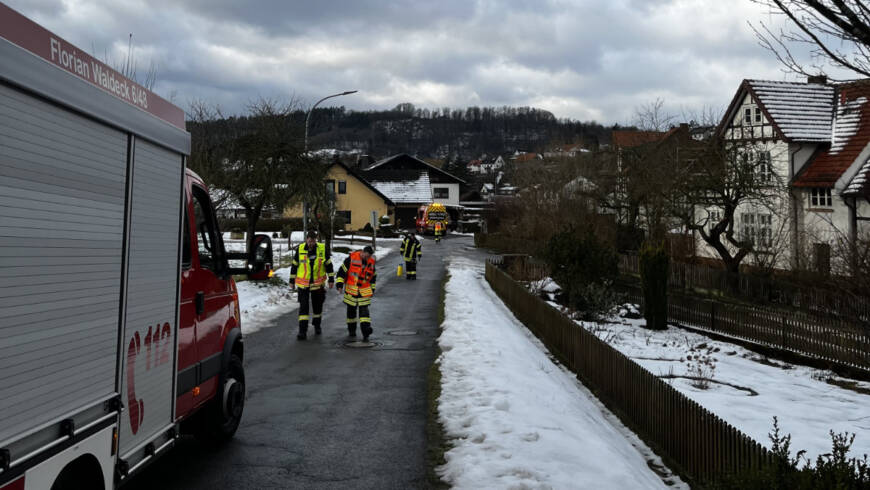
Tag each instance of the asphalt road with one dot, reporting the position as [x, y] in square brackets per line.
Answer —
[320, 414]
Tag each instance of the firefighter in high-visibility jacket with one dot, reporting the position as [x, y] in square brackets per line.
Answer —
[309, 271]
[358, 276]
[411, 250]
[439, 230]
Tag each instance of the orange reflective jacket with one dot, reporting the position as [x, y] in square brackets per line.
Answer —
[359, 275]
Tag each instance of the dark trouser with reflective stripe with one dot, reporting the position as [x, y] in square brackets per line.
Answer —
[318, 296]
[365, 321]
[410, 269]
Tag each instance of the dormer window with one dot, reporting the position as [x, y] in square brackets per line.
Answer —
[820, 197]
[747, 116]
[758, 115]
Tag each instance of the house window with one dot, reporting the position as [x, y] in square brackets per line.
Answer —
[821, 198]
[345, 215]
[747, 116]
[765, 171]
[747, 223]
[342, 187]
[330, 186]
[765, 230]
[715, 218]
[757, 229]
[441, 192]
[758, 115]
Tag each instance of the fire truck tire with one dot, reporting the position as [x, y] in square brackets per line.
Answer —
[83, 473]
[224, 413]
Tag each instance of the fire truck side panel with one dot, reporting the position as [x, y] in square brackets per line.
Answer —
[62, 192]
[149, 341]
[43, 475]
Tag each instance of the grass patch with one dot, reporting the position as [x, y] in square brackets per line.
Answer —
[848, 384]
[436, 440]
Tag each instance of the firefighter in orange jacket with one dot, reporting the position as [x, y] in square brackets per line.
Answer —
[439, 230]
[308, 274]
[358, 276]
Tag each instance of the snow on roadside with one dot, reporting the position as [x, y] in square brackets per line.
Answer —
[514, 418]
[262, 302]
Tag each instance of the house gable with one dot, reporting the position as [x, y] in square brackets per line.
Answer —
[788, 111]
[339, 169]
[747, 118]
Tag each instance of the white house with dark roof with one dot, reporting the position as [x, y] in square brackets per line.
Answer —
[410, 183]
[810, 140]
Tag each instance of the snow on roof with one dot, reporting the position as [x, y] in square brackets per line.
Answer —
[848, 138]
[404, 188]
[580, 184]
[802, 111]
[846, 123]
[860, 181]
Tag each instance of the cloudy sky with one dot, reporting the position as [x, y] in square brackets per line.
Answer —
[581, 59]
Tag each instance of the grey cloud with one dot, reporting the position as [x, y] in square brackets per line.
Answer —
[584, 56]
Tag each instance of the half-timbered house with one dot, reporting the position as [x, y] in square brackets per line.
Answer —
[812, 142]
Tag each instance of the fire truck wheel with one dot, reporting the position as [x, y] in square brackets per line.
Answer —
[84, 473]
[222, 417]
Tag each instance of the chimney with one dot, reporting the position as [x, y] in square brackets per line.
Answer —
[363, 161]
[818, 79]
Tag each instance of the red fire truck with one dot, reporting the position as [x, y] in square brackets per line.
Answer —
[430, 214]
[119, 317]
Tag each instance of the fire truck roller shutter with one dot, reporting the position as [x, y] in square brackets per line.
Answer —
[148, 344]
[62, 191]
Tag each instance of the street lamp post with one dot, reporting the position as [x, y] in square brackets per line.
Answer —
[307, 118]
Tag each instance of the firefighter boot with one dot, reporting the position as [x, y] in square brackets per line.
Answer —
[302, 335]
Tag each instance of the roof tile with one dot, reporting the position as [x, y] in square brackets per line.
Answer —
[849, 134]
[802, 111]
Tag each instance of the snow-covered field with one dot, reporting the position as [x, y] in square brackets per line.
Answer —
[514, 418]
[747, 390]
[261, 302]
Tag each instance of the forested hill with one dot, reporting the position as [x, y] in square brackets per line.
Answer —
[439, 133]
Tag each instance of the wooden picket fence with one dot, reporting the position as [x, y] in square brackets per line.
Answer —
[701, 444]
[840, 340]
[831, 339]
[704, 279]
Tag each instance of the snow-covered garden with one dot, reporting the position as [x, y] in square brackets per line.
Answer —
[742, 387]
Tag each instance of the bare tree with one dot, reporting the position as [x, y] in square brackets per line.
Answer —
[129, 66]
[837, 32]
[651, 116]
[714, 185]
[257, 159]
